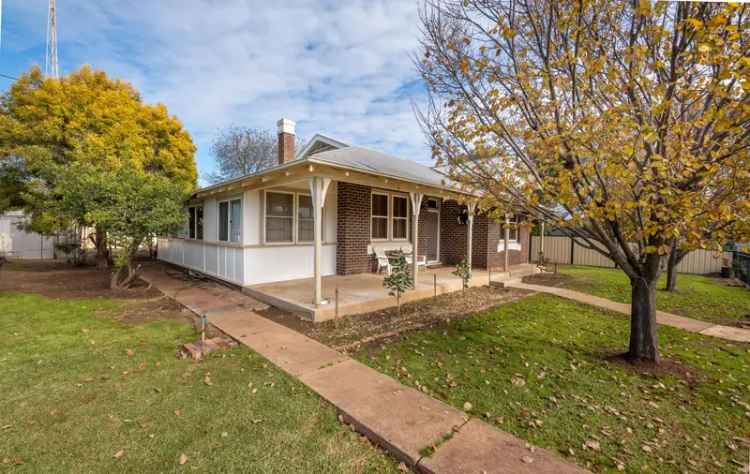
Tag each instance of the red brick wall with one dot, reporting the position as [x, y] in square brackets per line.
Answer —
[353, 235]
[452, 234]
[515, 257]
[353, 229]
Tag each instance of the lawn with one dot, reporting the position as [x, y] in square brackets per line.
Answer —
[700, 297]
[85, 392]
[541, 368]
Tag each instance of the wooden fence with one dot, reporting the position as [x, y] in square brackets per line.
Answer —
[564, 250]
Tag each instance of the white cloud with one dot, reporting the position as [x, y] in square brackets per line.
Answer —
[334, 67]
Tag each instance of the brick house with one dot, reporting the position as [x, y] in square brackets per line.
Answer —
[329, 209]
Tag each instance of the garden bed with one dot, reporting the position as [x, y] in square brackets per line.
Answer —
[349, 332]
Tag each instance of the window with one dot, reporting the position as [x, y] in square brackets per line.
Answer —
[235, 220]
[230, 220]
[400, 218]
[390, 216]
[379, 216]
[513, 231]
[224, 221]
[305, 219]
[279, 217]
[195, 222]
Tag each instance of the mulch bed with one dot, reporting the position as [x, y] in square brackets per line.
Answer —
[61, 280]
[55, 279]
[547, 279]
[350, 332]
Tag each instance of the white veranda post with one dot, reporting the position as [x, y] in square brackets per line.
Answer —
[416, 205]
[541, 244]
[471, 207]
[506, 238]
[318, 189]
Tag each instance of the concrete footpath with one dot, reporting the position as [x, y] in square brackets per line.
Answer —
[401, 419]
[667, 319]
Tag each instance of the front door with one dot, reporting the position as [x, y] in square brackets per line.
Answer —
[430, 234]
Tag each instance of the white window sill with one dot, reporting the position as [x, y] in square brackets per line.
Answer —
[512, 245]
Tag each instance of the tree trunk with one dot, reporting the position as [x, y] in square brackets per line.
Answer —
[102, 251]
[671, 272]
[671, 277]
[643, 341]
[114, 282]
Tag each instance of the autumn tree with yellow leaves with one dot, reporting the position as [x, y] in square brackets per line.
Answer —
[625, 122]
[85, 121]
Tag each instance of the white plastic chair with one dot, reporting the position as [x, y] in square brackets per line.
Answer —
[383, 261]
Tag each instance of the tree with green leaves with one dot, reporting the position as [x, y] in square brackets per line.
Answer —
[85, 118]
[463, 271]
[133, 207]
[399, 280]
[626, 123]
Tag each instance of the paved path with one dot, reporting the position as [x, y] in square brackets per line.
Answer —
[667, 319]
[399, 418]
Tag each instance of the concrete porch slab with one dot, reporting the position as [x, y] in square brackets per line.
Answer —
[414, 421]
[365, 292]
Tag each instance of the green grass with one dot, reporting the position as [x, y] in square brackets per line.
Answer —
[696, 296]
[73, 397]
[539, 368]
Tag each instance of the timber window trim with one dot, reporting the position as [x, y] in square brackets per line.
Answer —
[388, 217]
[399, 219]
[195, 222]
[513, 227]
[380, 217]
[294, 219]
[230, 223]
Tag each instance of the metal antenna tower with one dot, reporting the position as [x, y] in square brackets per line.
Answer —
[50, 60]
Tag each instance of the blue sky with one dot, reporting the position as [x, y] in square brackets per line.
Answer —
[338, 67]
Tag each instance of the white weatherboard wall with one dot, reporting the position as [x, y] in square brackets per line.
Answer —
[250, 261]
[558, 250]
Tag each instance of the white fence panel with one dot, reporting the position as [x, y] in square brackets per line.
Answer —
[558, 250]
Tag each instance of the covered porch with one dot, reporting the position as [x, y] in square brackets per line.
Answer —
[343, 295]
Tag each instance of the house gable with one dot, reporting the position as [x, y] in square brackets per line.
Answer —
[318, 144]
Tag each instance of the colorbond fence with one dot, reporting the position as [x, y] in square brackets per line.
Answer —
[564, 250]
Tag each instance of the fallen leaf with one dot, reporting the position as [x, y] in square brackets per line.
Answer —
[527, 459]
[594, 445]
[468, 406]
[130, 352]
[183, 459]
[119, 454]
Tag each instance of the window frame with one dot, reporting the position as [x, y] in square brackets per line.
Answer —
[387, 216]
[295, 231]
[393, 219]
[390, 218]
[513, 228]
[192, 233]
[266, 216]
[295, 218]
[229, 202]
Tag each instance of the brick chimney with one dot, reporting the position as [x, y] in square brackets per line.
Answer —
[286, 140]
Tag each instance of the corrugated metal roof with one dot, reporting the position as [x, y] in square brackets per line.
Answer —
[372, 161]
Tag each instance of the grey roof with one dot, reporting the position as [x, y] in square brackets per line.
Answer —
[371, 161]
